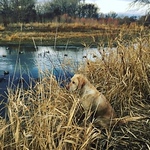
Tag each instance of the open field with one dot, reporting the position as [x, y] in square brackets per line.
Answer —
[72, 34]
[49, 117]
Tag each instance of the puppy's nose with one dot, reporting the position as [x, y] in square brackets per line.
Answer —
[67, 86]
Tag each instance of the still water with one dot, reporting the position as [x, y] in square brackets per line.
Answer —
[44, 57]
[26, 62]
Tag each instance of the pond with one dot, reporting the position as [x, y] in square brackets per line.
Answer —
[27, 63]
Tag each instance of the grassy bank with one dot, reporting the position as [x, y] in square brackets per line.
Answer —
[72, 34]
[49, 117]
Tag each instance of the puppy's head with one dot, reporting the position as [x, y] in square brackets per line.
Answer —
[77, 82]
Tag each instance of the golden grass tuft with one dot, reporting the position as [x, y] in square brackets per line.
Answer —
[49, 117]
[2, 28]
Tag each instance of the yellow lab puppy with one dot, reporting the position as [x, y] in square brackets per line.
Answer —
[92, 100]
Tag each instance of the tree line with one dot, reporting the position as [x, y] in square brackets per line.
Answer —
[25, 11]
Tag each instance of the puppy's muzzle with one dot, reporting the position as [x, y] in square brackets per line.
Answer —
[67, 87]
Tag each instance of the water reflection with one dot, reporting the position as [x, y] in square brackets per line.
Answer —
[27, 60]
[45, 57]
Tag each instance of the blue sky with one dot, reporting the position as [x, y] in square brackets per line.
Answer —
[118, 6]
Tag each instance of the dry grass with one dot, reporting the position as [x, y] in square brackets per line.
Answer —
[48, 117]
[45, 33]
[2, 28]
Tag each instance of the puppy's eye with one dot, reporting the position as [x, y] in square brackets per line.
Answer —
[73, 82]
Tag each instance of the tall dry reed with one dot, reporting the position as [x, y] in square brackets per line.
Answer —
[49, 117]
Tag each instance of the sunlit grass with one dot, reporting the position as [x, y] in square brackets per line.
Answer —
[49, 117]
[44, 33]
[2, 28]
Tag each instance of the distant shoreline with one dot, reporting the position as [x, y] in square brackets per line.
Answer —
[66, 34]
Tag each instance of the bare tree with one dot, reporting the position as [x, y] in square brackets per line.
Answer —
[112, 14]
[66, 6]
[142, 4]
[146, 5]
[5, 11]
[23, 10]
[17, 11]
[88, 11]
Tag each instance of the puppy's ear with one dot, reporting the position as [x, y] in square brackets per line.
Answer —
[81, 82]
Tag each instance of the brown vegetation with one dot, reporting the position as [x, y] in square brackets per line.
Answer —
[73, 33]
[48, 117]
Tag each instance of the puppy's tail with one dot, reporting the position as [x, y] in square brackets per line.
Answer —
[126, 119]
[101, 122]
